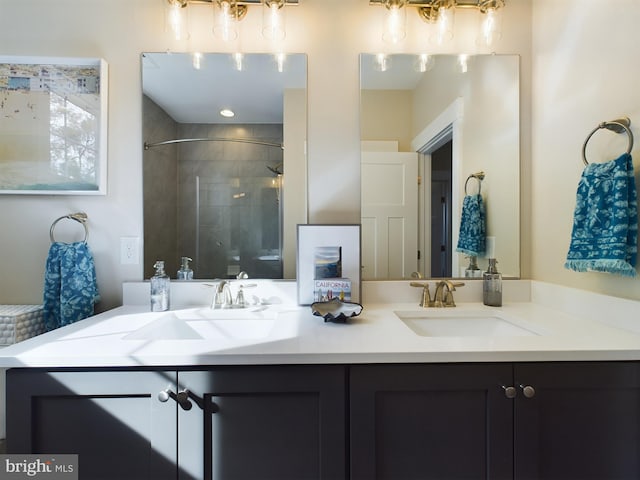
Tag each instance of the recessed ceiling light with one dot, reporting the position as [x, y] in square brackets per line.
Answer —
[225, 112]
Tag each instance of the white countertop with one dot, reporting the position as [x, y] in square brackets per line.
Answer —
[131, 336]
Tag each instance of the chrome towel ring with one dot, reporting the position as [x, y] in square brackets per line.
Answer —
[79, 217]
[619, 125]
[479, 176]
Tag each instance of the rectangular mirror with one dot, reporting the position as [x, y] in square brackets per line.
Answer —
[429, 126]
[224, 176]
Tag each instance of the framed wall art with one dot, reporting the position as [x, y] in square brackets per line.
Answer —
[53, 125]
[328, 259]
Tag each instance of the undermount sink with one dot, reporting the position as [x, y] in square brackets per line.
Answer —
[451, 323]
[205, 323]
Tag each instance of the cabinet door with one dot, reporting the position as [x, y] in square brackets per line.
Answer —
[431, 422]
[582, 421]
[284, 422]
[113, 421]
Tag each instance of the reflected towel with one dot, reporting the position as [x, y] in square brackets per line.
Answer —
[605, 222]
[70, 287]
[472, 226]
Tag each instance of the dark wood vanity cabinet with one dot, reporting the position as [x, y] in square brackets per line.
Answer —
[222, 423]
[523, 421]
[112, 420]
[431, 422]
[264, 423]
[581, 422]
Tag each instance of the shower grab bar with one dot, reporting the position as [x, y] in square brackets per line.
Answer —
[79, 217]
[479, 176]
[619, 125]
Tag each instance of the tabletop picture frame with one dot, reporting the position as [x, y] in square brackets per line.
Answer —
[339, 241]
[53, 125]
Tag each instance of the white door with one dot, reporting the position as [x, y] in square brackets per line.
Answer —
[389, 214]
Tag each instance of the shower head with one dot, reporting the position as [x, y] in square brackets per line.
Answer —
[276, 170]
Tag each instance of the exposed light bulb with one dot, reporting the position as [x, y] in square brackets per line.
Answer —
[444, 25]
[382, 62]
[280, 58]
[491, 26]
[224, 27]
[227, 113]
[196, 60]
[424, 62]
[176, 18]
[463, 62]
[238, 59]
[273, 22]
[395, 23]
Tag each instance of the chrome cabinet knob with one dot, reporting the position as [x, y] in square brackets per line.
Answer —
[510, 392]
[164, 395]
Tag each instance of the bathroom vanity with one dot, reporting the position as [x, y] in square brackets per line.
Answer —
[274, 392]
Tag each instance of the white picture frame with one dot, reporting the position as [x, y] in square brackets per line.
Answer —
[53, 125]
[310, 237]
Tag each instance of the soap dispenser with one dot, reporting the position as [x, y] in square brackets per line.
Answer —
[472, 270]
[492, 285]
[185, 273]
[159, 288]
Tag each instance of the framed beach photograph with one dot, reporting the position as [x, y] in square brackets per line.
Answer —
[328, 263]
[53, 125]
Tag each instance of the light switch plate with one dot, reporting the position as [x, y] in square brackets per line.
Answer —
[129, 250]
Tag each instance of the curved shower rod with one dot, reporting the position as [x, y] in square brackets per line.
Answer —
[147, 145]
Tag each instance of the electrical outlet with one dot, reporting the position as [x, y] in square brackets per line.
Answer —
[129, 250]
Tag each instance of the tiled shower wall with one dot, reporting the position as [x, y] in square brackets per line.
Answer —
[224, 188]
[229, 202]
[160, 189]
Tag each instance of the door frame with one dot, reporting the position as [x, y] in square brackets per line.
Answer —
[446, 126]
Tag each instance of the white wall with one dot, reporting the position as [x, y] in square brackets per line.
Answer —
[585, 71]
[331, 32]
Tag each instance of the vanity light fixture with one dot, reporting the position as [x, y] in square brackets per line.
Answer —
[424, 63]
[280, 59]
[196, 60]
[273, 25]
[463, 62]
[442, 14]
[176, 18]
[381, 62]
[238, 60]
[395, 22]
[227, 14]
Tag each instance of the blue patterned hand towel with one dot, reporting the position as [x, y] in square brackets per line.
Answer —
[605, 222]
[472, 226]
[70, 287]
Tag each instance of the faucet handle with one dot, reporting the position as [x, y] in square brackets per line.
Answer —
[240, 301]
[425, 300]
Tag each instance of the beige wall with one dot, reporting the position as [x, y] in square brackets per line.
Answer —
[386, 115]
[583, 72]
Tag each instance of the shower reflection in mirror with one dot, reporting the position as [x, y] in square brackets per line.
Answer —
[213, 183]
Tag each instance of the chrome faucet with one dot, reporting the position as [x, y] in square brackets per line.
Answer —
[222, 298]
[443, 296]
